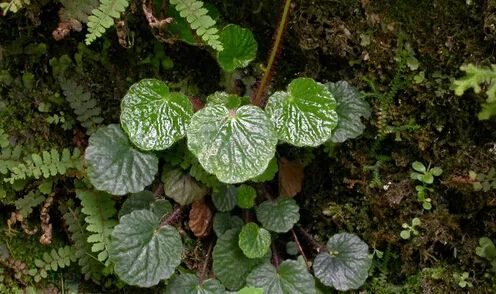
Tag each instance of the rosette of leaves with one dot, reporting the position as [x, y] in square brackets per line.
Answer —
[153, 117]
[240, 47]
[143, 250]
[305, 115]
[350, 108]
[344, 264]
[233, 144]
[290, 277]
[115, 166]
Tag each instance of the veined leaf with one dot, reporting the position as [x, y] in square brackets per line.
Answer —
[115, 166]
[189, 284]
[153, 117]
[254, 241]
[305, 115]
[240, 48]
[279, 215]
[234, 145]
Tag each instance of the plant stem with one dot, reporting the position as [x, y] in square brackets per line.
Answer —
[276, 260]
[205, 264]
[316, 245]
[257, 99]
[299, 247]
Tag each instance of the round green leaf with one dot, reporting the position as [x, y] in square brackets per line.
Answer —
[240, 47]
[228, 100]
[350, 108]
[254, 241]
[224, 197]
[345, 264]
[182, 187]
[145, 200]
[143, 252]
[234, 145]
[224, 221]
[189, 284]
[279, 215]
[291, 277]
[153, 117]
[419, 166]
[245, 196]
[250, 290]
[230, 265]
[115, 166]
[305, 115]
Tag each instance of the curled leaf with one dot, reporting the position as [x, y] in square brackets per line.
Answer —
[290, 177]
[200, 219]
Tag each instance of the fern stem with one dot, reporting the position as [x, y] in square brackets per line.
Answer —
[205, 264]
[262, 86]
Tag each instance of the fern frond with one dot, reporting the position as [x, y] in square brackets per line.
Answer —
[24, 205]
[85, 107]
[47, 164]
[196, 15]
[90, 266]
[52, 261]
[10, 158]
[13, 6]
[100, 210]
[103, 17]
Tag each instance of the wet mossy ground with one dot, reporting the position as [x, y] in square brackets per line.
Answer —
[328, 41]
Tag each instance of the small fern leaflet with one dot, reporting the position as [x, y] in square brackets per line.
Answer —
[103, 17]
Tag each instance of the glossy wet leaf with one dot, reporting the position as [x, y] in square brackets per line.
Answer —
[224, 197]
[115, 166]
[240, 47]
[291, 277]
[279, 215]
[230, 265]
[145, 200]
[245, 196]
[189, 284]
[142, 252]
[234, 145]
[345, 263]
[254, 241]
[351, 107]
[224, 221]
[305, 115]
[153, 117]
[182, 187]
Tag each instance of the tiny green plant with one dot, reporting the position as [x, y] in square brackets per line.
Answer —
[462, 280]
[426, 176]
[487, 250]
[483, 181]
[410, 230]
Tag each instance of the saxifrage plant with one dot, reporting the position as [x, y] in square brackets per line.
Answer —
[229, 140]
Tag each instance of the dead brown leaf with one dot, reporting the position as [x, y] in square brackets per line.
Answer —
[200, 218]
[290, 177]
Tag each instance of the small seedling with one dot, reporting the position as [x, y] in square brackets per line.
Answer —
[410, 229]
[487, 250]
[425, 175]
[461, 280]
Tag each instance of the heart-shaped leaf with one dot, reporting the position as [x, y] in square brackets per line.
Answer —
[182, 187]
[305, 115]
[230, 265]
[350, 108]
[240, 47]
[143, 252]
[345, 264]
[145, 200]
[224, 221]
[234, 145]
[153, 117]
[291, 277]
[254, 241]
[224, 197]
[189, 284]
[279, 215]
[245, 196]
[115, 166]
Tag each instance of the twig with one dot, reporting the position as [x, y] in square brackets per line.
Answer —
[316, 245]
[299, 247]
[205, 264]
[276, 260]
[173, 216]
